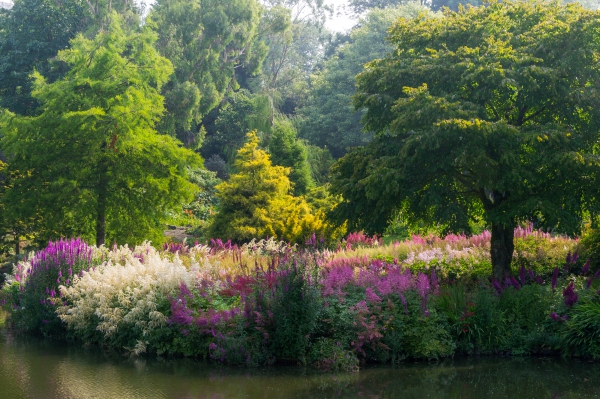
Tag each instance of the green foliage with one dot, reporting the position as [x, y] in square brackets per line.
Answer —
[589, 248]
[328, 118]
[204, 204]
[581, 335]
[91, 164]
[320, 161]
[240, 113]
[327, 354]
[256, 202]
[205, 40]
[31, 34]
[287, 151]
[489, 121]
[290, 313]
[542, 255]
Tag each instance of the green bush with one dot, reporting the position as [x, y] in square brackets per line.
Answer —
[581, 332]
[589, 248]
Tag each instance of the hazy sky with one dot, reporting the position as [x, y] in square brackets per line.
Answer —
[339, 23]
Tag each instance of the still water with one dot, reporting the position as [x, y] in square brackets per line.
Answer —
[35, 369]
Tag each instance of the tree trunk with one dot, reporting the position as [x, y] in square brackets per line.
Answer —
[101, 207]
[502, 247]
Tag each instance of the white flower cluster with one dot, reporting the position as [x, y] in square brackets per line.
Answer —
[265, 247]
[439, 255]
[124, 291]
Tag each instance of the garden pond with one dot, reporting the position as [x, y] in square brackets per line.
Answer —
[31, 368]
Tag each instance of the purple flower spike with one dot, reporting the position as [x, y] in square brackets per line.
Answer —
[589, 283]
[497, 286]
[531, 275]
[515, 283]
[554, 316]
[570, 295]
[586, 267]
[522, 275]
[404, 303]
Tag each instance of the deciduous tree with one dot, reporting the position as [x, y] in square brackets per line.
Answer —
[489, 111]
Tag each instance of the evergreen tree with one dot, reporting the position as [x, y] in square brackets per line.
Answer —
[206, 40]
[255, 202]
[286, 150]
[91, 163]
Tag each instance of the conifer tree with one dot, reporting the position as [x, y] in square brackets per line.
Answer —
[286, 150]
[92, 164]
[256, 202]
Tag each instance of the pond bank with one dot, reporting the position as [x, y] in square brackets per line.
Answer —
[93, 373]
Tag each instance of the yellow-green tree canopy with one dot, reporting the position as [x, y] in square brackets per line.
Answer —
[490, 111]
[91, 163]
[256, 202]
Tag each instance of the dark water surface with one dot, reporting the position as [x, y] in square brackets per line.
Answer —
[36, 369]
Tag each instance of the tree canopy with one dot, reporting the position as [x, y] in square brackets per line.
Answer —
[91, 163]
[206, 40]
[489, 112]
[31, 34]
[328, 117]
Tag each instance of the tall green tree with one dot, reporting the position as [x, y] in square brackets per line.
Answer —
[91, 163]
[286, 150]
[206, 40]
[489, 111]
[31, 34]
[328, 118]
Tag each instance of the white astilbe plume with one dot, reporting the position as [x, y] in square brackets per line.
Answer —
[265, 247]
[115, 295]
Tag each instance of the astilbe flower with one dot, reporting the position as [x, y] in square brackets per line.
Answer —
[114, 296]
[359, 239]
[371, 296]
[337, 278]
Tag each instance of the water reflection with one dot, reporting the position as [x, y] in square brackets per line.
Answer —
[34, 369]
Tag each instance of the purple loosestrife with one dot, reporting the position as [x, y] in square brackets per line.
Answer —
[589, 282]
[497, 286]
[586, 268]
[523, 275]
[515, 283]
[570, 295]
[531, 274]
[403, 300]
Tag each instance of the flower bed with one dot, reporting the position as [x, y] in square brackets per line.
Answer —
[267, 301]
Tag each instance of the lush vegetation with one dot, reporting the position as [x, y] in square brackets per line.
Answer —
[268, 301]
[465, 138]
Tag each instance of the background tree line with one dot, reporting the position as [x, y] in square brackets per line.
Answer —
[117, 120]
